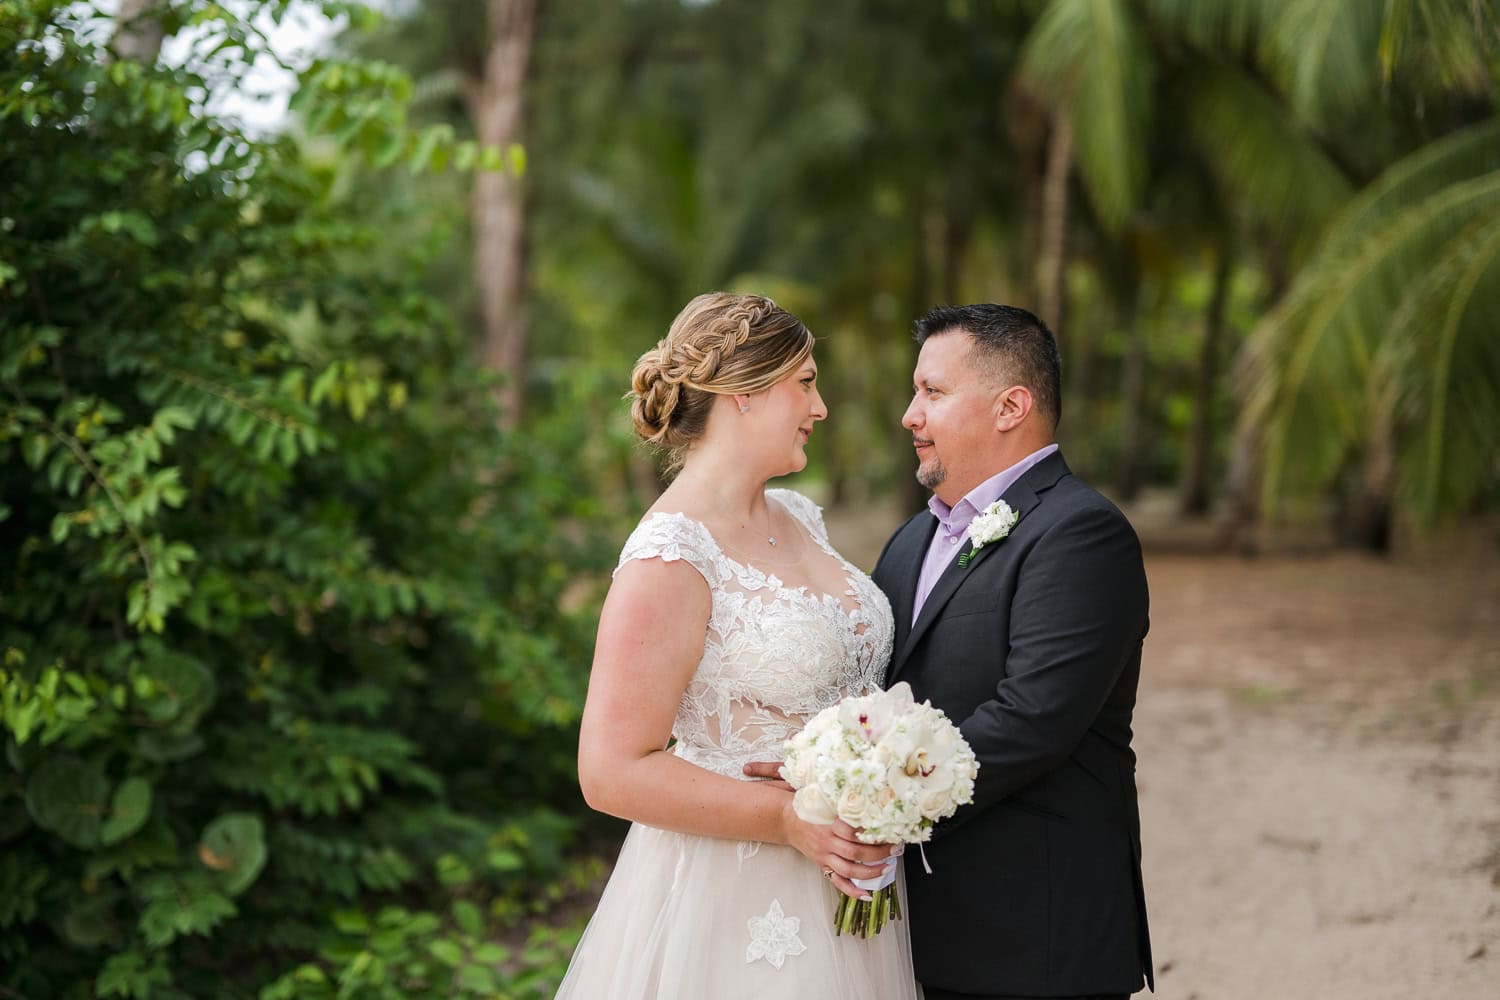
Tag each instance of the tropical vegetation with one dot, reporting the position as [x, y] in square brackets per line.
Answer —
[314, 457]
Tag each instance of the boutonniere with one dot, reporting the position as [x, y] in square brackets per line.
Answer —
[992, 524]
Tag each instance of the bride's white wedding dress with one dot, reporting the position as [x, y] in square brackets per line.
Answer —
[700, 918]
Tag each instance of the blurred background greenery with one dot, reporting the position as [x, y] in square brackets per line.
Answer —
[315, 458]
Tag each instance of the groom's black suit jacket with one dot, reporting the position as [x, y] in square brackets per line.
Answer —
[1035, 649]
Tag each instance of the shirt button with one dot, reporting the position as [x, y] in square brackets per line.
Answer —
[953, 541]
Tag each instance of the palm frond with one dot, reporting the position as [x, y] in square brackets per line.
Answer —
[636, 235]
[1311, 368]
[1453, 386]
[1089, 60]
[1323, 54]
[1276, 172]
[1457, 157]
[1216, 25]
[1447, 42]
[765, 169]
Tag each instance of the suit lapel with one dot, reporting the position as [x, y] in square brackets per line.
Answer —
[1023, 495]
[909, 556]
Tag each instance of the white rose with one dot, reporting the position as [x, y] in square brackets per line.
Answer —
[936, 803]
[852, 805]
[811, 806]
[797, 769]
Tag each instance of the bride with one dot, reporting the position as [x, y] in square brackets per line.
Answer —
[730, 621]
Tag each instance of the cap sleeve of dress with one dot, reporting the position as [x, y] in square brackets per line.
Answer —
[804, 510]
[670, 537]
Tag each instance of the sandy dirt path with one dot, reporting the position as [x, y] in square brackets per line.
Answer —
[1319, 744]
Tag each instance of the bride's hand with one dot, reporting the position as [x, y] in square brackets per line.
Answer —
[836, 848]
[768, 771]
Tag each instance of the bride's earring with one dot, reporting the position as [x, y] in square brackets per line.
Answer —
[744, 407]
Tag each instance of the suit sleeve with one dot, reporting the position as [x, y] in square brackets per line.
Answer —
[1077, 619]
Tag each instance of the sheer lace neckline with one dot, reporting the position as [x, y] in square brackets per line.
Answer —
[771, 580]
[773, 655]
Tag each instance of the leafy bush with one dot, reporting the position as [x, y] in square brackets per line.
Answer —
[286, 682]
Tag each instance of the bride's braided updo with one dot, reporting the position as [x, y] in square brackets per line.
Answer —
[720, 344]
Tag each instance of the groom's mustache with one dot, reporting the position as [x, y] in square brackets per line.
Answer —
[917, 442]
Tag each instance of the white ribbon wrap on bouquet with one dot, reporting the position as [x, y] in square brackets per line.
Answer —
[880, 881]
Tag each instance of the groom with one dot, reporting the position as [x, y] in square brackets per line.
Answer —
[1032, 643]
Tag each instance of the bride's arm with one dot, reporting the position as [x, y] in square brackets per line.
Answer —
[650, 640]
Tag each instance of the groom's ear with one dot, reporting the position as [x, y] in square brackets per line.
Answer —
[1012, 407]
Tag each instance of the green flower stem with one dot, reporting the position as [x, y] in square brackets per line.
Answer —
[866, 918]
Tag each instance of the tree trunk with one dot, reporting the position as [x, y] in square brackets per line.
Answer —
[1241, 532]
[1368, 521]
[957, 229]
[1132, 402]
[1026, 123]
[1197, 481]
[1051, 269]
[496, 104]
[138, 35]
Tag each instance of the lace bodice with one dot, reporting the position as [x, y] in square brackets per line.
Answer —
[773, 655]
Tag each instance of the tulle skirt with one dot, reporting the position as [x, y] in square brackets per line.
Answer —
[698, 918]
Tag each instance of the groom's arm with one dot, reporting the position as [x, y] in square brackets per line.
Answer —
[1077, 619]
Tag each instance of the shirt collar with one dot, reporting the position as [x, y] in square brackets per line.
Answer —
[955, 520]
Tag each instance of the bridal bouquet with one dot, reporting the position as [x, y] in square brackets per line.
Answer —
[887, 766]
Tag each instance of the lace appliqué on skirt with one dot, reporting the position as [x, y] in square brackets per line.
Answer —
[773, 937]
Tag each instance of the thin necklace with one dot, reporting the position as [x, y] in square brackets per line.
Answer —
[769, 537]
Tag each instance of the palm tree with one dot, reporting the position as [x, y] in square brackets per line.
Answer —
[1348, 382]
[1157, 96]
[1384, 357]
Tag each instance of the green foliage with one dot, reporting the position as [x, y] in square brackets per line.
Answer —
[281, 610]
[1090, 57]
[1386, 345]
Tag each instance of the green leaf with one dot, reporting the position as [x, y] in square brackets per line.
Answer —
[132, 975]
[181, 688]
[467, 916]
[180, 905]
[162, 747]
[234, 845]
[69, 797]
[390, 150]
[446, 951]
[491, 954]
[431, 139]
[477, 979]
[129, 809]
[465, 156]
[91, 922]
[351, 922]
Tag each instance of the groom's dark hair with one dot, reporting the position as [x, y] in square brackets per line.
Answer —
[1011, 344]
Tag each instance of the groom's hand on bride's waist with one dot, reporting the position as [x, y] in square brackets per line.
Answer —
[769, 770]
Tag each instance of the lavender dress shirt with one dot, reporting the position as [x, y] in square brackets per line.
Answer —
[953, 523]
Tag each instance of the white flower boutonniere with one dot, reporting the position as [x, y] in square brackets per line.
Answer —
[993, 524]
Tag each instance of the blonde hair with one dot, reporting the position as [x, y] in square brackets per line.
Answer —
[721, 344]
